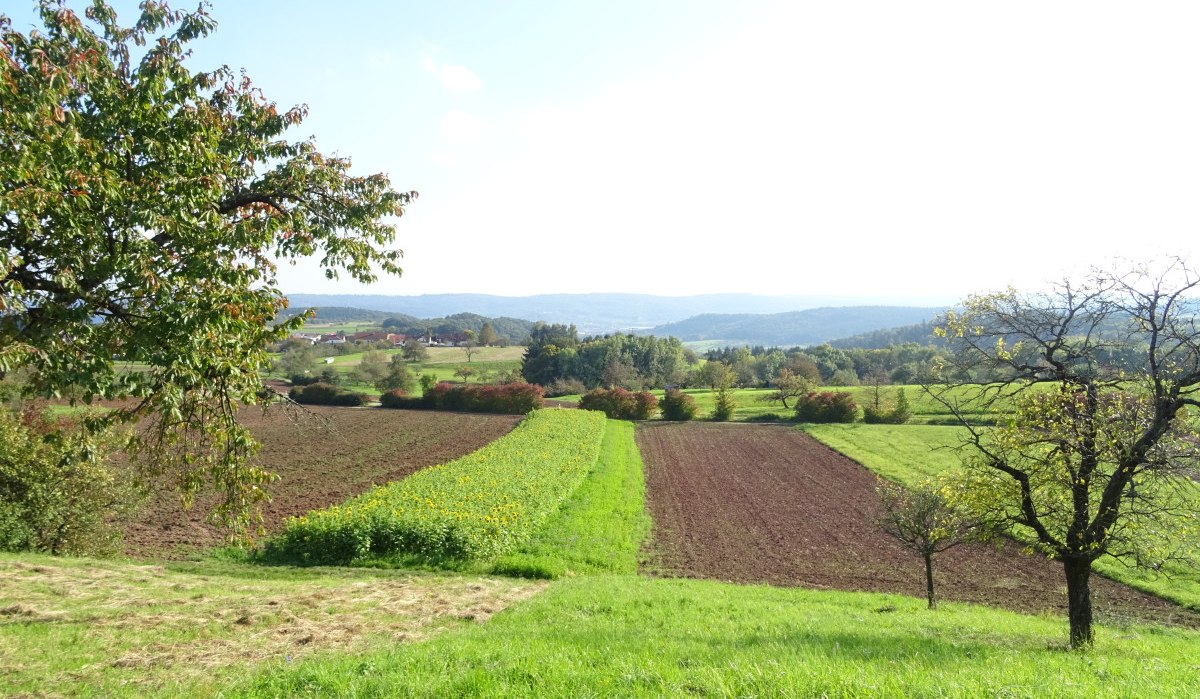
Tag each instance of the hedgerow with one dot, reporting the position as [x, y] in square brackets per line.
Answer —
[325, 394]
[505, 399]
[476, 507]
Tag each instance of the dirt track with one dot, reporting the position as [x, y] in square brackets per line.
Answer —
[769, 504]
[332, 455]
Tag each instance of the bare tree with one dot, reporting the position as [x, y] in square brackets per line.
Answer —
[470, 345]
[1096, 376]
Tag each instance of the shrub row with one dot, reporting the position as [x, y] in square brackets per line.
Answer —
[325, 394]
[506, 399]
[620, 404]
[476, 507]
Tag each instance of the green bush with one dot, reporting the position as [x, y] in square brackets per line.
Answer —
[677, 405]
[57, 494]
[827, 406]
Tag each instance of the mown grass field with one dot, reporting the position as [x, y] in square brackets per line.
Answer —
[442, 363]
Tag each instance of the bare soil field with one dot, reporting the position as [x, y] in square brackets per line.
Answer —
[333, 454]
[769, 504]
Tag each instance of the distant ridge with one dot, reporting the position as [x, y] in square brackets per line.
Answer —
[597, 313]
[795, 328]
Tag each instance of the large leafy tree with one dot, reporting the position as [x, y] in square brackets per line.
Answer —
[143, 209]
[1096, 376]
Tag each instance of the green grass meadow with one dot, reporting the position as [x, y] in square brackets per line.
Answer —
[624, 636]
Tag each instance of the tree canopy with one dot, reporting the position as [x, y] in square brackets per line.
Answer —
[144, 208]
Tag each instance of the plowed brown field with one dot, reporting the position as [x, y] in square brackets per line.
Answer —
[769, 504]
[324, 458]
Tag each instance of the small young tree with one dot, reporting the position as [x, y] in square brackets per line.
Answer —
[715, 375]
[725, 405]
[487, 335]
[888, 412]
[465, 373]
[397, 377]
[414, 350]
[372, 368]
[788, 386]
[56, 497]
[297, 361]
[923, 521]
[471, 345]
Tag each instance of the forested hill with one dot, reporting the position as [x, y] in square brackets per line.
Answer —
[511, 330]
[920, 333]
[797, 328]
[340, 314]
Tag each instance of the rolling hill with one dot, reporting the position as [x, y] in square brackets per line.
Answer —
[602, 313]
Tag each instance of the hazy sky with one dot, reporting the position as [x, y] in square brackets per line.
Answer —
[916, 148]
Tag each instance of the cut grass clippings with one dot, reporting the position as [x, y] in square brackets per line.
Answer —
[78, 627]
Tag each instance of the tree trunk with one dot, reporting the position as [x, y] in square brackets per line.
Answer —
[929, 581]
[1079, 600]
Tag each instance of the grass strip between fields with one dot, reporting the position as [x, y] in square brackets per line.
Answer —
[600, 528]
[477, 507]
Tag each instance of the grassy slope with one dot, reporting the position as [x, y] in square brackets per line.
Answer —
[587, 635]
[908, 453]
[633, 637]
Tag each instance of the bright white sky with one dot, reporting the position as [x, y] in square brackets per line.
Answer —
[687, 146]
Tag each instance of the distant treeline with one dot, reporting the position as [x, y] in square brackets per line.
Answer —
[509, 331]
[557, 356]
[828, 365]
[338, 314]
